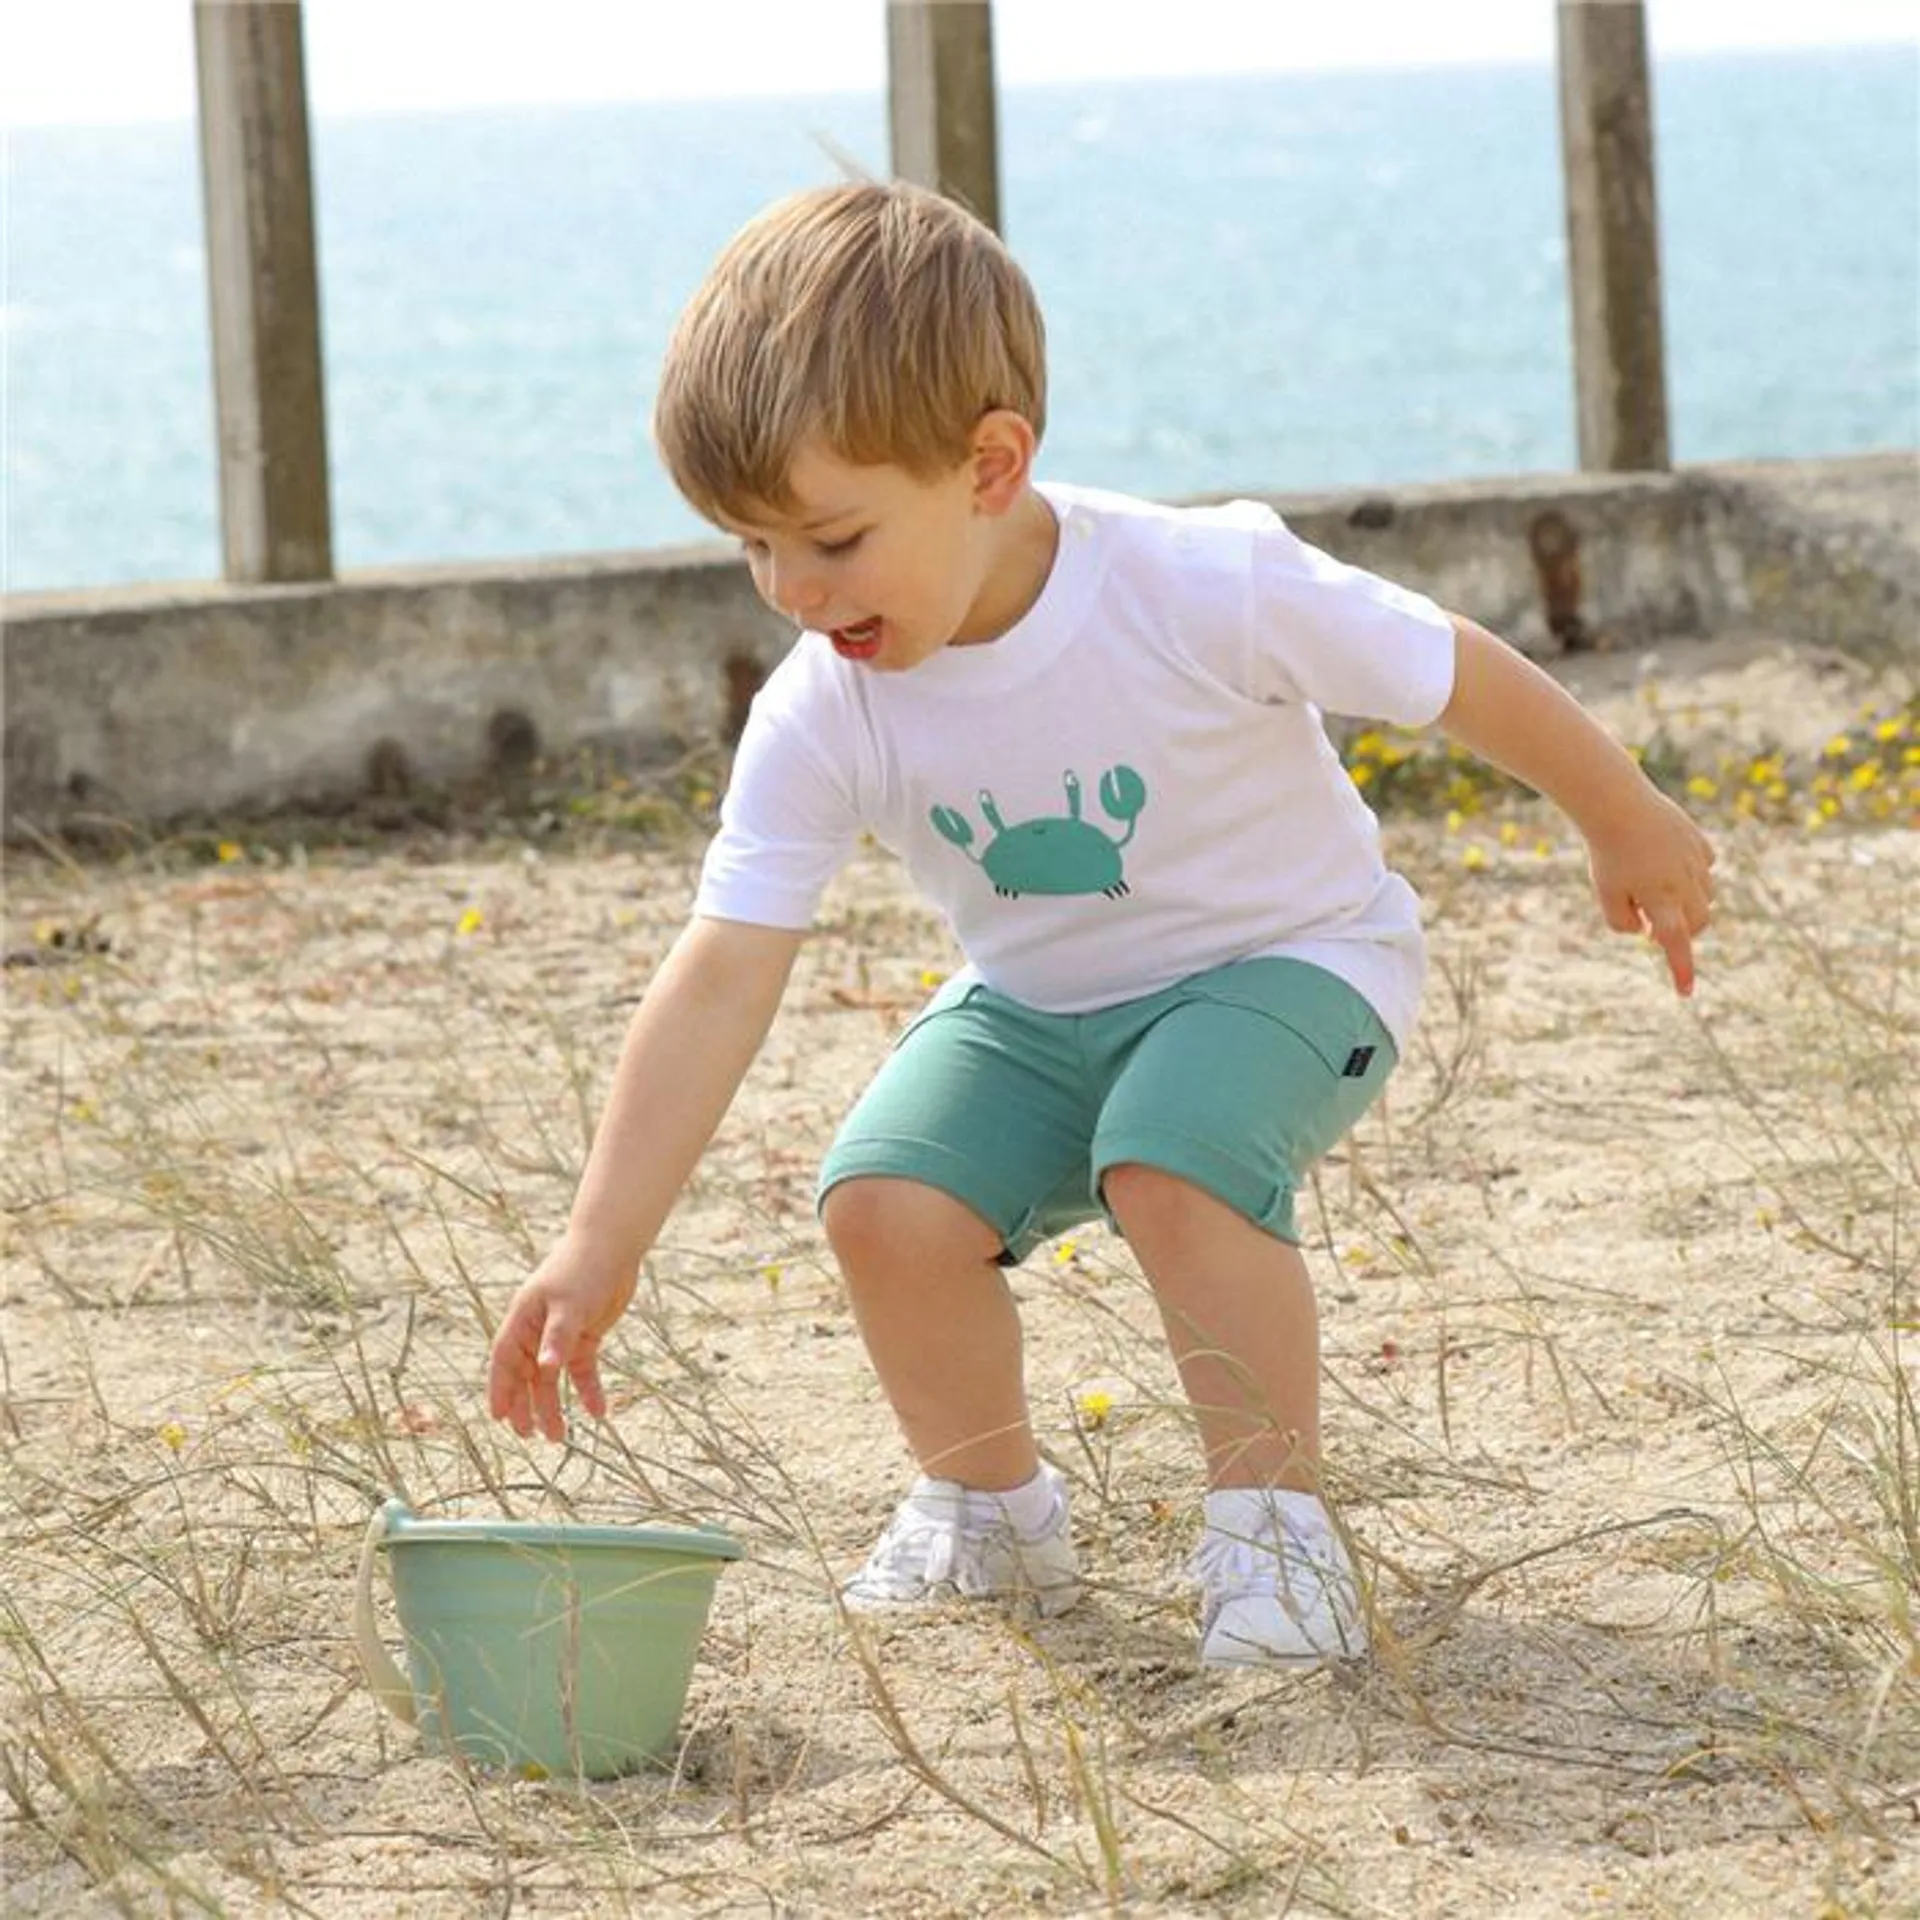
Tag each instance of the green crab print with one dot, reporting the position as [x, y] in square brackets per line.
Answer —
[1053, 854]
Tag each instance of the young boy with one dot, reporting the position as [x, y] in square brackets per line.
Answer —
[1091, 728]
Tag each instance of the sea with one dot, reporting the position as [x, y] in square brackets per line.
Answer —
[1270, 283]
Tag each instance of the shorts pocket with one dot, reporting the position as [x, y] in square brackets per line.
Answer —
[952, 993]
[1319, 1009]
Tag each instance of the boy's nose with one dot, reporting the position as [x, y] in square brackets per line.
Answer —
[797, 591]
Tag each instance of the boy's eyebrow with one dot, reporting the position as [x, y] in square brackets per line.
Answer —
[812, 524]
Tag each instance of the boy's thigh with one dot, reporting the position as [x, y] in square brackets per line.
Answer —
[1246, 1078]
[988, 1102]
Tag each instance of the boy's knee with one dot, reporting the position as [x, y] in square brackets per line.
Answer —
[877, 1216]
[1133, 1187]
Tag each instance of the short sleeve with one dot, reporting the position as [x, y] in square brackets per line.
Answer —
[1342, 638]
[786, 827]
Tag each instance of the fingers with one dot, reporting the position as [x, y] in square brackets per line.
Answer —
[510, 1367]
[584, 1371]
[566, 1350]
[536, 1344]
[1674, 925]
[1621, 910]
[1669, 926]
[548, 1414]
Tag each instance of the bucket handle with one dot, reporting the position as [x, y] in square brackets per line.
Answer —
[384, 1679]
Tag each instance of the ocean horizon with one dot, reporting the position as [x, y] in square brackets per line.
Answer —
[1269, 283]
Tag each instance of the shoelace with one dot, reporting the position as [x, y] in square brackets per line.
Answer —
[1296, 1568]
[931, 1549]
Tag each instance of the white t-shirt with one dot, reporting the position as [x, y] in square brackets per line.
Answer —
[1131, 785]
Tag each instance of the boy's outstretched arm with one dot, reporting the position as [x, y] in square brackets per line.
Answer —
[686, 1052]
[1651, 865]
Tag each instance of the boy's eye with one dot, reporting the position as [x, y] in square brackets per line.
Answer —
[833, 549]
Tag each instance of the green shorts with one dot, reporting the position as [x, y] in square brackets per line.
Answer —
[1237, 1080]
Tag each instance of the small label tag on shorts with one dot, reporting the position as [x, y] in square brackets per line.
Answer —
[1358, 1061]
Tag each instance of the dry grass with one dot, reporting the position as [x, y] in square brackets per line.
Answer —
[1621, 1336]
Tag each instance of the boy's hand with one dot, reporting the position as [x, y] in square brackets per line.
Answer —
[1653, 870]
[555, 1325]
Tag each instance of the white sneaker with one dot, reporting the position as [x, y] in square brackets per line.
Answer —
[1276, 1584]
[949, 1542]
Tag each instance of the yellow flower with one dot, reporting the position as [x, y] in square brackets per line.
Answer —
[1509, 834]
[930, 978]
[771, 1275]
[173, 1436]
[1065, 1252]
[470, 922]
[1093, 1407]
[1702, 788]
[1473, 858]
[1455, 820]
[1890, 729]
[1865, 775]
[1838, 747]
[1360, 774]
[1368, 744]
[229, 851]
[1543, 846]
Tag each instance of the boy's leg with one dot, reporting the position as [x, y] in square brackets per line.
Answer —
[942, 1173]
[970, 1139]
[1239, 1311]
[1209, 1127]
[1241, 1079]
[940, 1327]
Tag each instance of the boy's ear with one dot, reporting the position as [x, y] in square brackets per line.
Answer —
[1001, 456]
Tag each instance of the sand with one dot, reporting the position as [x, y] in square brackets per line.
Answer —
[1620, 1333]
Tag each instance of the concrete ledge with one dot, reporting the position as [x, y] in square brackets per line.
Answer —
[151, 703]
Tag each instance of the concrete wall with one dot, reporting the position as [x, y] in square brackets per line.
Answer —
[153, 703]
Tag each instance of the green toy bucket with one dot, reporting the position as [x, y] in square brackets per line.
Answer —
[542, 1648]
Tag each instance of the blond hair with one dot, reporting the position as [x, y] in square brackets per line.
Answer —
[876, 315]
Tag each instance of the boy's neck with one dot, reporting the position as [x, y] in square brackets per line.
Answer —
[1028, 541]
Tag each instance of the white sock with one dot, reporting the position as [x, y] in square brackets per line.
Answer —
[1031, 1508]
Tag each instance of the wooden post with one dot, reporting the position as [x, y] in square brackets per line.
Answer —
[940, 100]
[1613, 238]
[263, 290]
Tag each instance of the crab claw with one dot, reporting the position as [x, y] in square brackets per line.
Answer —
[1122, 793]
[951, 826]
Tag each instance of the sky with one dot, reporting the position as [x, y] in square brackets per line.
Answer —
[109, 61]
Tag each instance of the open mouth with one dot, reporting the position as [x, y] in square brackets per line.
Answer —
[860, 642]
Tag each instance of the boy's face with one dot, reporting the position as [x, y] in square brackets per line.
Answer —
[891, 567]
